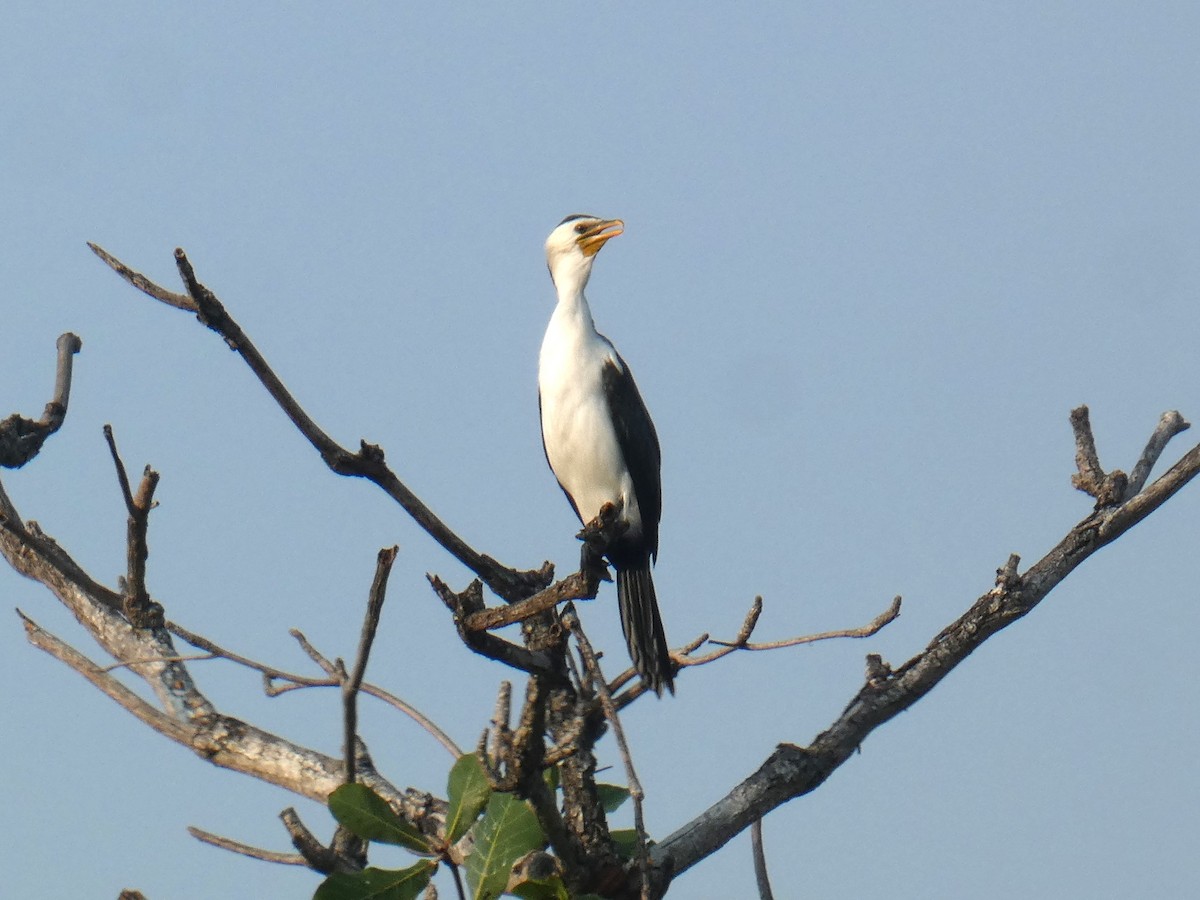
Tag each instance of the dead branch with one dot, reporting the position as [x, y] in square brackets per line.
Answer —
[760, 862]
[207, 837]
[792, 771]
[139, 608]
[468, 602]
[579, 586]
[21, 439]
[873, 627]
[315, 854]
[187, 717]
[272, 674]
[553, 706]
[368, 462]
[352, 683]
[1170, 424]
[591, 664]
[1109, 489]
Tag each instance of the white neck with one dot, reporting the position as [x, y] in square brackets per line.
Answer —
[570, 277]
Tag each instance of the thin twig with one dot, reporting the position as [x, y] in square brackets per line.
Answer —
[353, 682]
[144, 284]
[333, 669]
[760, 861]
[301, 681]
[122, 474]
[458, 884]
[275, 856]
[873, 627]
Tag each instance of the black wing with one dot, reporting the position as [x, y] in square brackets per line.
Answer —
[639, 445]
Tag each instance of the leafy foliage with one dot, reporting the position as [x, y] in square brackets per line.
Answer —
[626, 840]
[368, 815]
[378, 884]
[542, 889]
[468, 793]
[612, 796]
[507, 831]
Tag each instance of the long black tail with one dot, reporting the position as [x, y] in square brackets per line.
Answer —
[643, 627]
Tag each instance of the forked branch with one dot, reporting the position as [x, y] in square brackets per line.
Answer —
[368, 462]
[792, 770]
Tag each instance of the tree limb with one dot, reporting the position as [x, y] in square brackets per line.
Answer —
[792, 770]
[367, 463]
[21, 439]
[188, 718]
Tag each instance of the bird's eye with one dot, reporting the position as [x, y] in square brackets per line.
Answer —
[580, 228]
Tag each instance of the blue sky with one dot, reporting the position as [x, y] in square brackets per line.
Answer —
[874, 254]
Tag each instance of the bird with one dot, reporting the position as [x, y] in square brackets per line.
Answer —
[599, 439]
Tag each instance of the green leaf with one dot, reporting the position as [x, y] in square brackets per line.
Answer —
[468, 792]
[612, 796]
[626, 840]
[542, 889]
[507, 831]
[368, 815]
[378, 884]
[551, 775]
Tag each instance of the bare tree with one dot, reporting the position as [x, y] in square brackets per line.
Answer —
[532, 776]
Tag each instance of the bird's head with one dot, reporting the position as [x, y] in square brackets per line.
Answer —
[572, 247]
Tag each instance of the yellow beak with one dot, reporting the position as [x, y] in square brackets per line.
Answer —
[594, 238]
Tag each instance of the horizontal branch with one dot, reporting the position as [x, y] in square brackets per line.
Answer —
[873, 627]
[216, 840]
[579, 586]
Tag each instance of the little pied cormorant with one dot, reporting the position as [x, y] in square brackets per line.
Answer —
[599, 440]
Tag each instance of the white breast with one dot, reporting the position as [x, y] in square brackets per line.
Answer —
[581, 444]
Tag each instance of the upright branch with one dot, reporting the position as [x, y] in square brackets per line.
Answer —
[21, 439]
[368, 462]
[141, 611]
[353, 681]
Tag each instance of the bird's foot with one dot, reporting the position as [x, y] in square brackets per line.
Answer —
[597, 535]
[607, 526]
